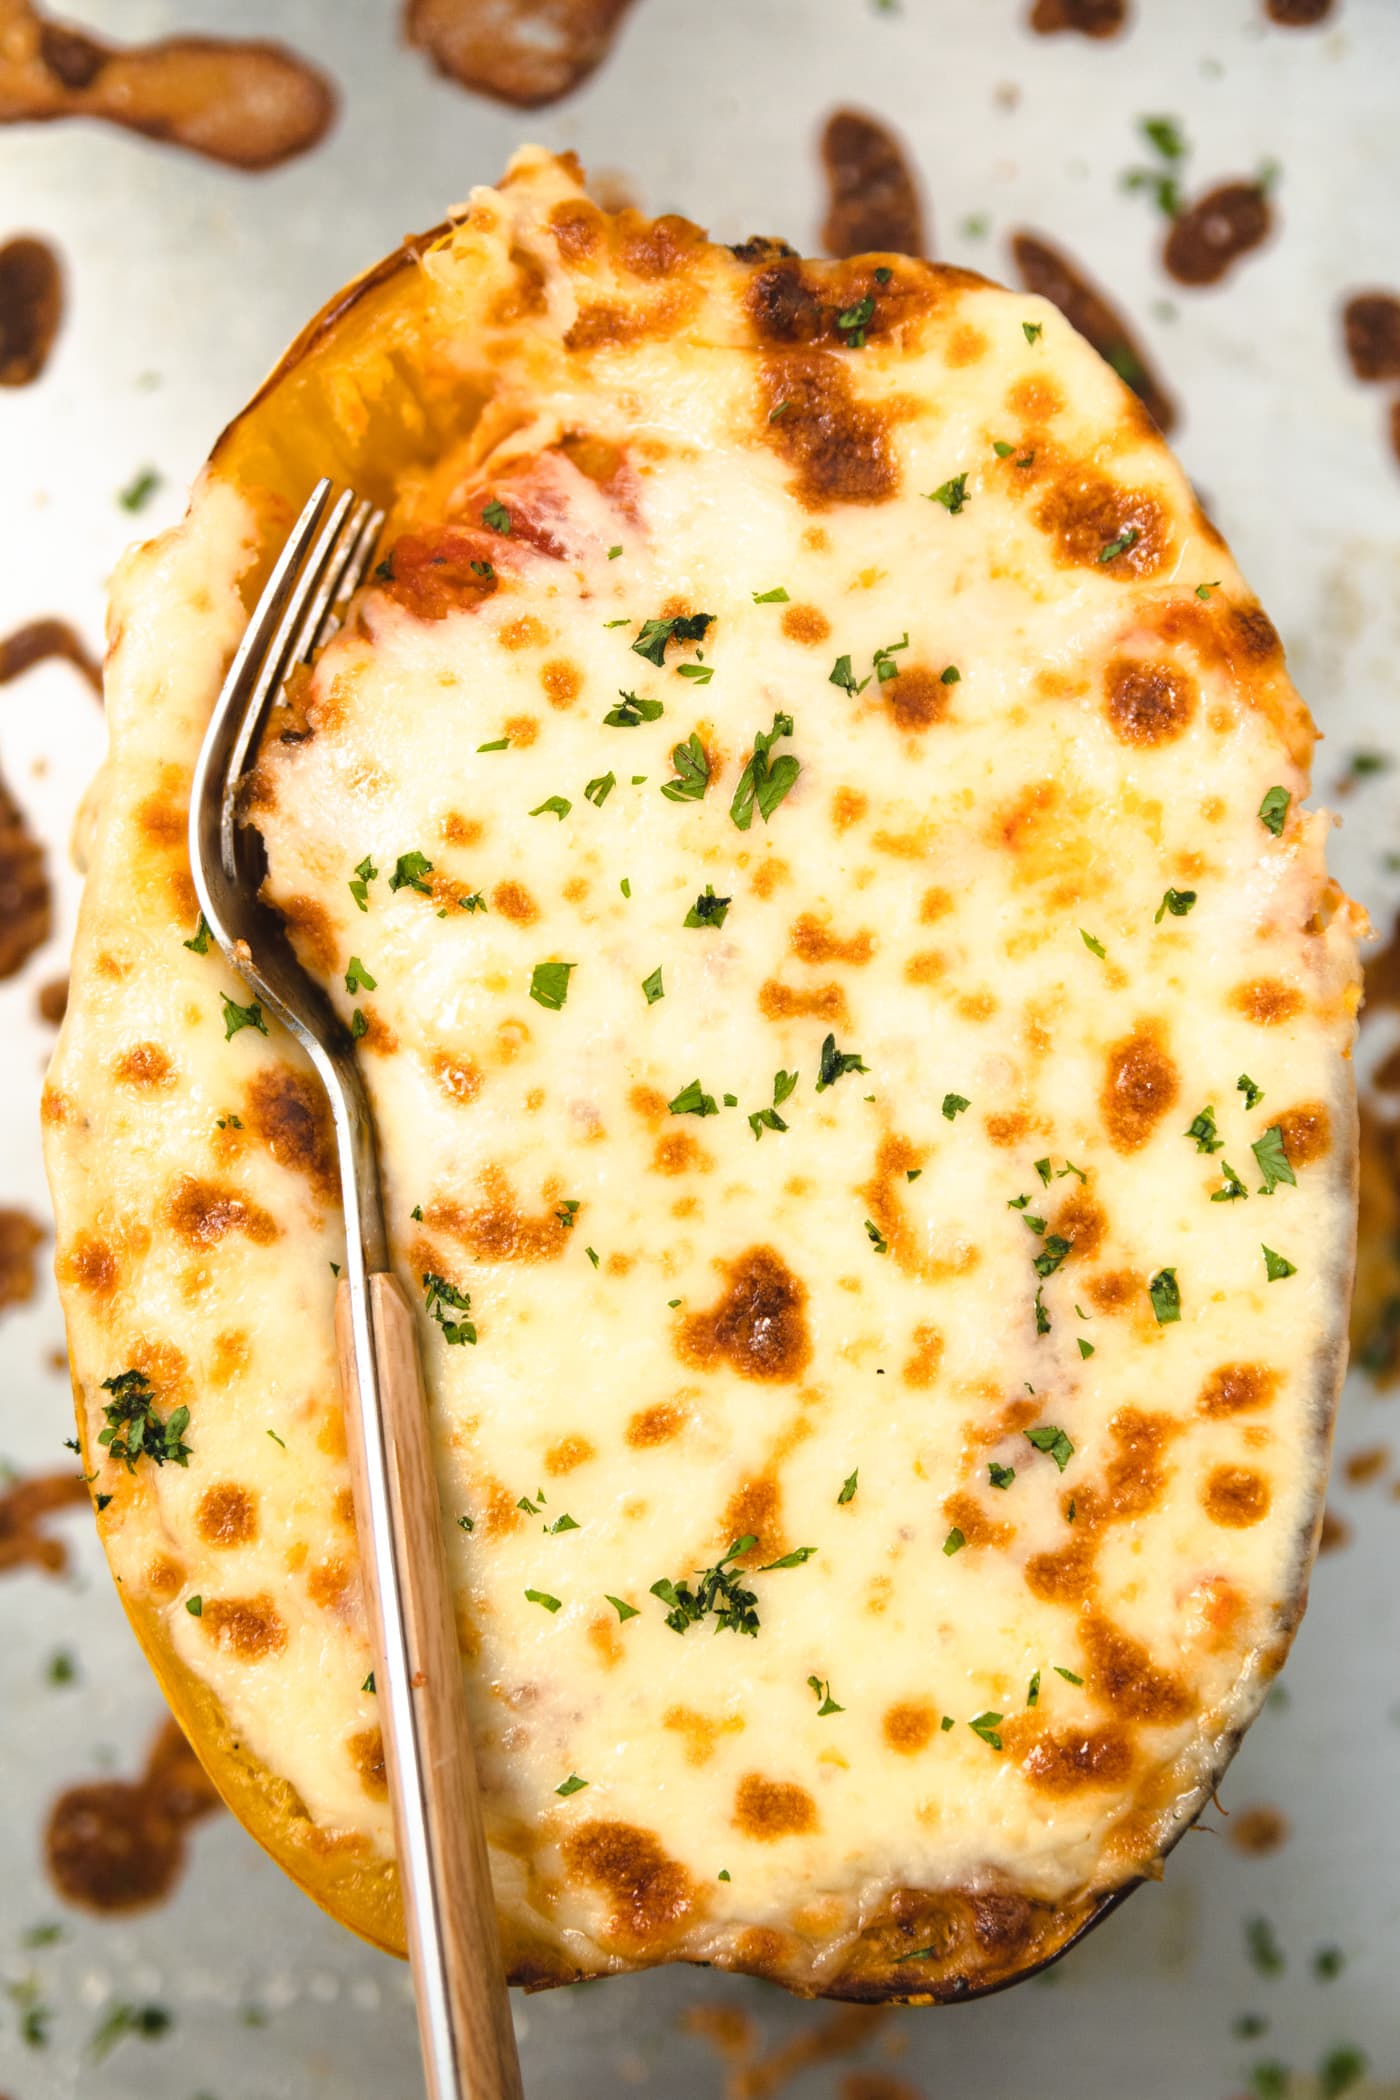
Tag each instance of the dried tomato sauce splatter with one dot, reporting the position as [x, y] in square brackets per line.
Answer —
[874, 197]
[1050, 273]
[1298, 14]
[40, 640]
[1371, 334]
[31, 308]
[247, 103]
[1096, 18]
[1214, 233]
[19, 1236]
[26, 903]
[117, 1845]
[524, 52]
[23, 1508]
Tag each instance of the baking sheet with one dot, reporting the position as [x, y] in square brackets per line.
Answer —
[184, 281]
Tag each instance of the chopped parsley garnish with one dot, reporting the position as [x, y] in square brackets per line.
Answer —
[1042, 1168]
[1202, 1129]
[1340, 2070]
[572, 1785]
[1273, 810]
[952, 495]
[1032, 330]
[653, 986]
[613, 553]
[1042, 1317]
[781, 410]
[1051, 1254]
[1203, 590]
[566, 1213]
[1273, 1160]
[148, 2021]
[357, 977]
[783, 1085]
[1000, 1476]
[1328, 1963]
[1165, 134]
[1086, 1349]
[440, 1297]
[834, 1064]
[632, 711]
[556, 806]
[841, 674]
[692, 765]
[195, 1607]
[1053, 1442]
[1002, 449]
[500, 743]
[549, 984]
[826, 1704]
[1033, 1691]
[1094, 947]
[598, 790]
[495, 515]
[848, 1488]
[135, 1431]
[365, 874]
[1177, 902]
[708, 909]
[796, 1559]
[542, 1597]
[1068, 1675]
[410, 872]
[1253, 1094]
[692, 1100]
[483, 569]
[138, 493]
[854, 321]
[1232, 1189]
[476, 902]
[368, 1685]
[1165, 1293]
[236, 1016]
[765, 781]
[954, 1104]
[199, 944]
[768, 1118]
[776, 597]
[466, 1523]
[950, 675]
[876, 1237]
[564, 1523]
[358, 1024]
[986, 1726]
[1126, 539]
[1275, 1267]
[700, 674]
[655, 634]
[954, 1542]
[1262, 1947]
[624, 1610]
[719, 1591]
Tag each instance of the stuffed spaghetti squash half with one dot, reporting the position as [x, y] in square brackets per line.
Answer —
[805, 822]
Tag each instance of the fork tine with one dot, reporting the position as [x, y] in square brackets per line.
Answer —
[311, 631]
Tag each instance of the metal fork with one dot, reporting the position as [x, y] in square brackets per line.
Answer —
[464, 2019]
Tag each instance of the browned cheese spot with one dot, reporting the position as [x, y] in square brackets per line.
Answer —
[1307, 1133]
[651, 1894]
[1371, 331]
[917, 698]
[874, 198]
[289, 1114]
[677, 1152]
[1140, 1085]
[328, 1584]
[1049, 273]
[458, 1077]
[1148, 703]
[848, 807]
[227, 1515]
[1122, 1673]
[1236, 1497]
[811, 940]
[1072, 1763]
[249, 1628]
[1087, 514]
[247, 103]
[514, 902]
[658, 1424]
[837, 446]
[966, 1514]
[883, 1197]
[563, 682]
[203, 1213]
[567, 1454]
[523, 632]
[755, 1510]
[701, 1731]
[90, 1264]
[31, 307]
[1266, 1001]
[366, 1748]
[783, 1002]
[1258, 1830]
[769, 1809]
[1210, 236]
[908, 1726]
[144, 1064]
[758, 1327]
[1080, 1221]
[920, 1367]
[496, 1228]
[805, 624]
[118, 1845]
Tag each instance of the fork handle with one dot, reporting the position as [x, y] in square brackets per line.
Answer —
[463, 2006]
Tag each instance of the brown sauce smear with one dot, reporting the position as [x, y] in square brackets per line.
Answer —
[874, 197]
[248, 104]
[1298, 14]
[119, 1845]
[758, 1327]
[524, 52]
[1257, 1831]
[1096, 18]
[1049, 273]
[19, 1236]
[26, 901]
[31, 308]
[23, 1507]
[1212, 235]
[1371, 334]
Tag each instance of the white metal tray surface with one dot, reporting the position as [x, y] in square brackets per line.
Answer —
[184, 282]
